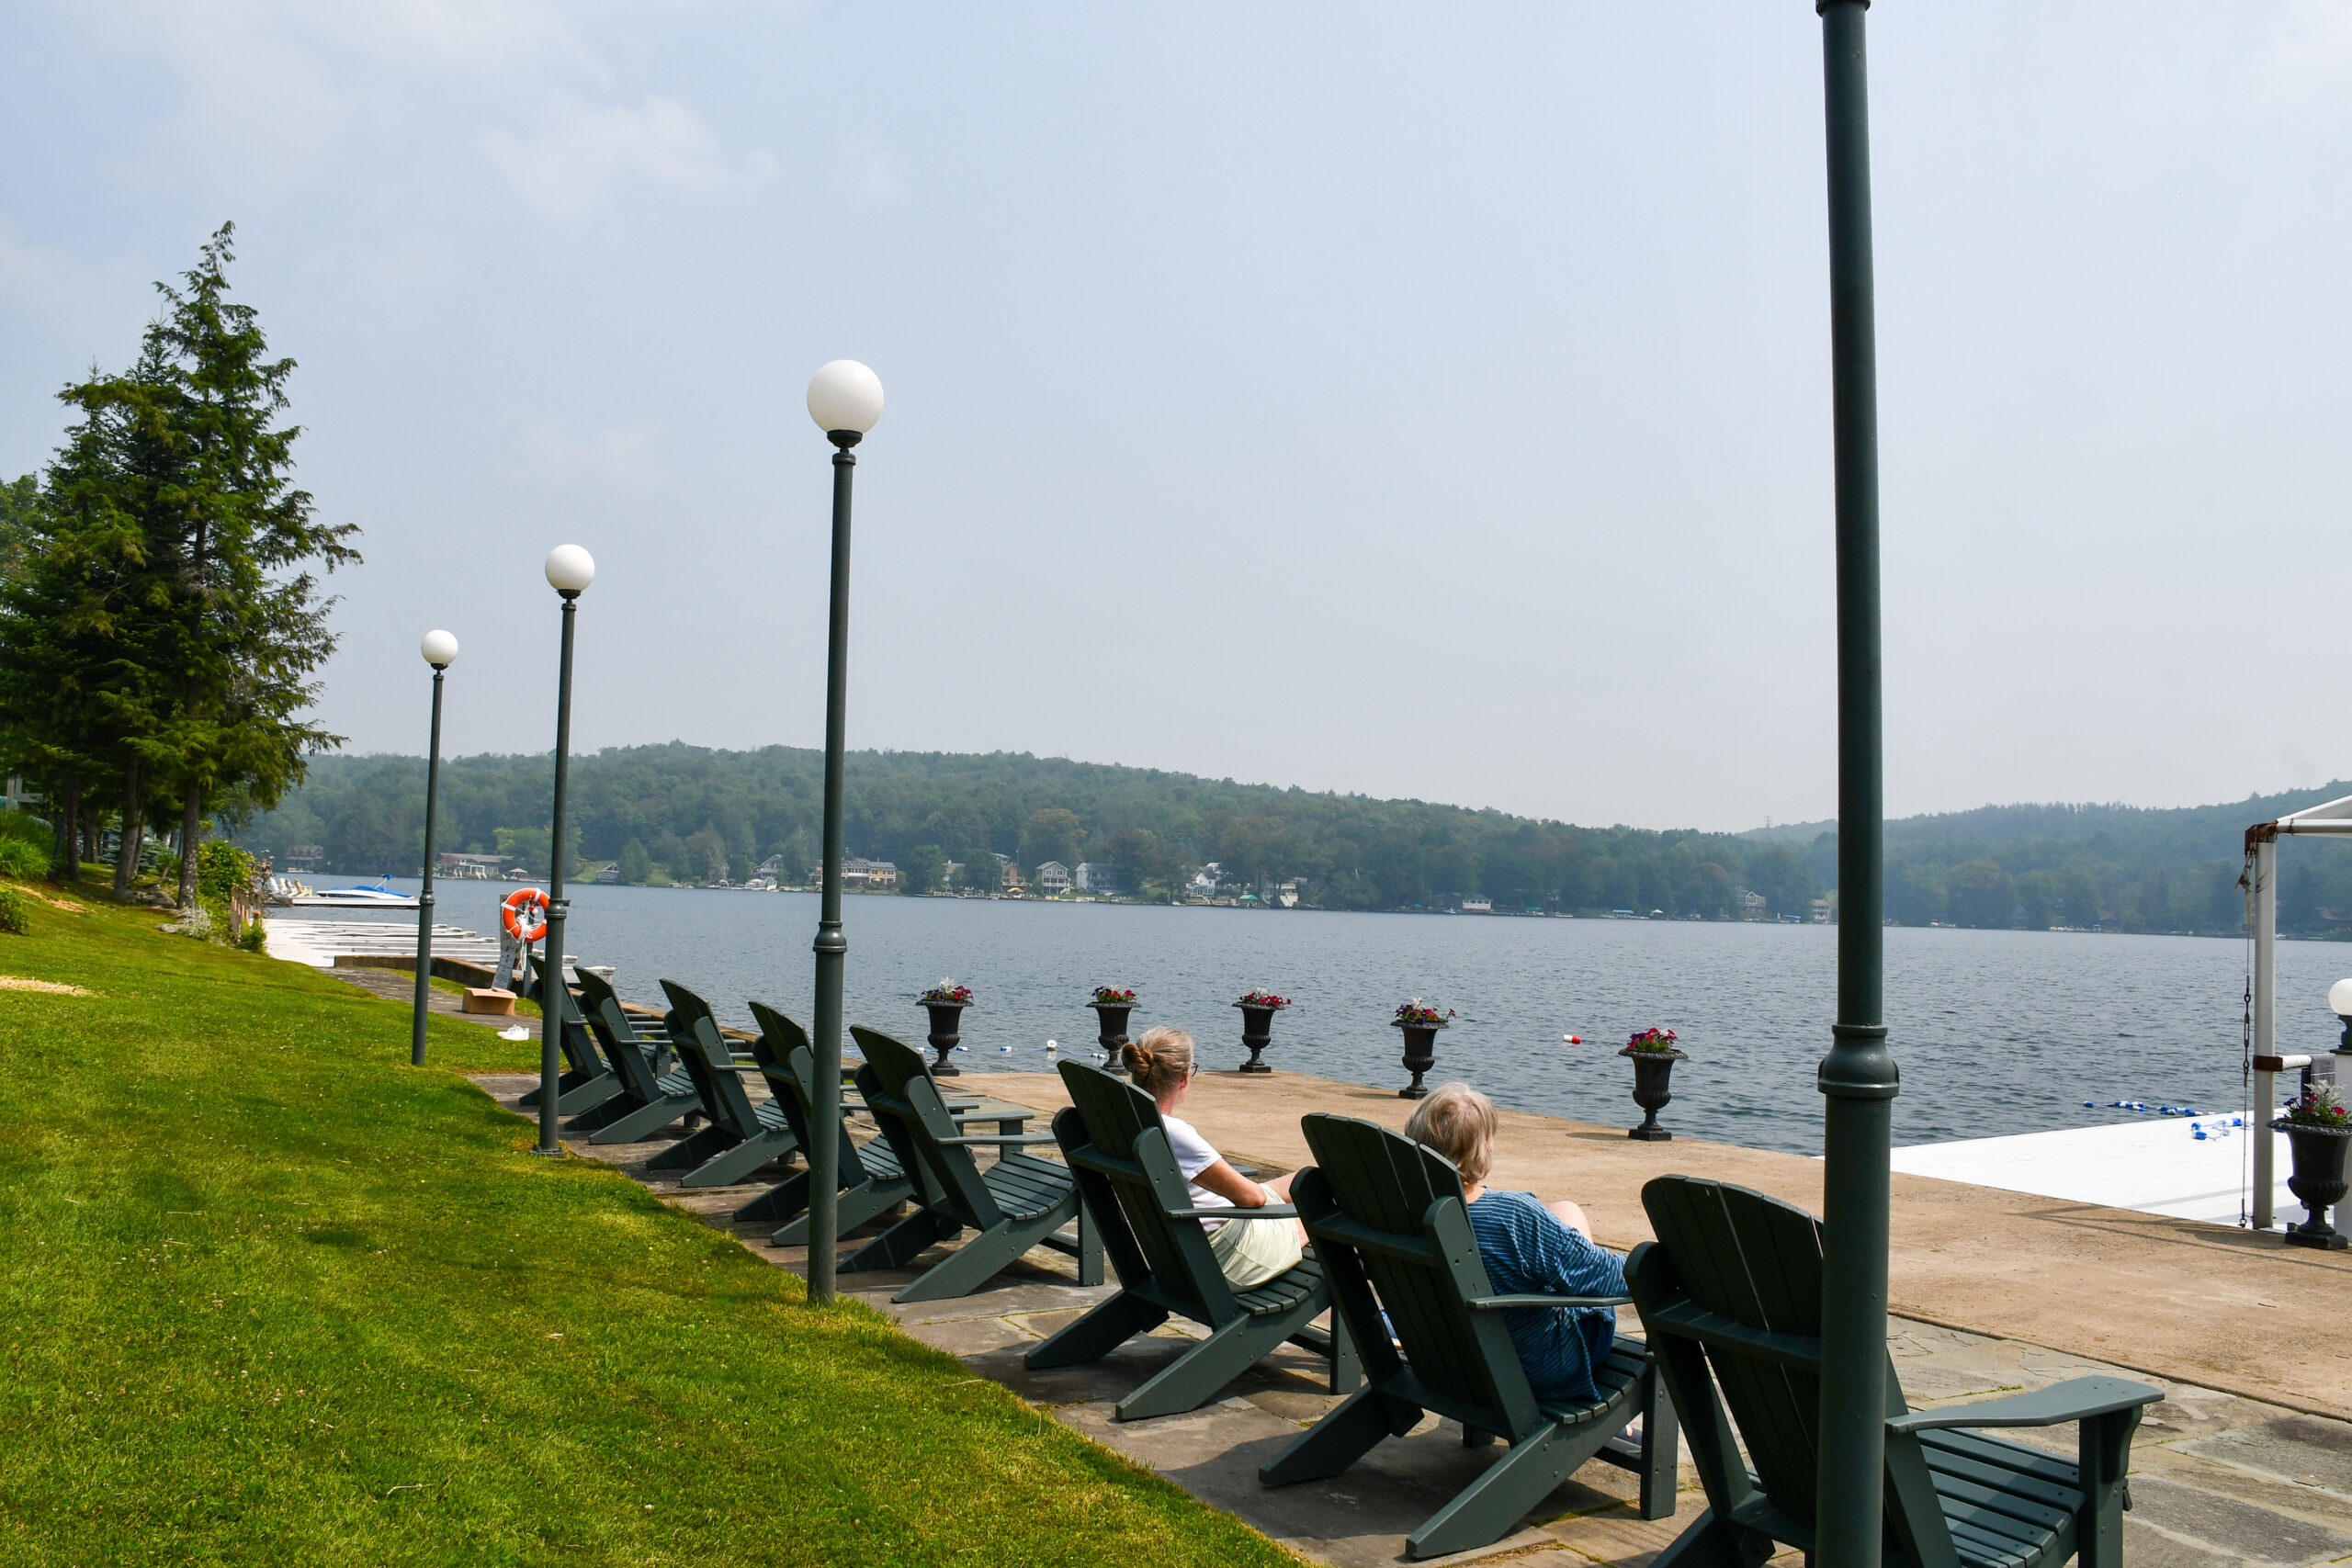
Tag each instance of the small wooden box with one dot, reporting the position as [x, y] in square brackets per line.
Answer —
[480, 999]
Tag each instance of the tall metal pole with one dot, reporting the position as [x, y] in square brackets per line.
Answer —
[1858, 1078]
[2265, 1103]
[425, 896]
[551, 969]
[832, 947]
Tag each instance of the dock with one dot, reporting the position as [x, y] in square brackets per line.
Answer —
[2156, 1166]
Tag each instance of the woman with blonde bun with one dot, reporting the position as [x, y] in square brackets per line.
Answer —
[1250, 1252]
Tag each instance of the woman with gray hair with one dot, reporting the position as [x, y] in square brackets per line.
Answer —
[1249, 1252]
[1530, 1247]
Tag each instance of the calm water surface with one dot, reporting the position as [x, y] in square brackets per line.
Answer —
[1997, 1032]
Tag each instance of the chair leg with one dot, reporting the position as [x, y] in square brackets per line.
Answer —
[852, 1209]
[979, 1261]
[2106, 1456]
[1201, 1373]
[1491, 1506]
[1661, 1449]
[1090, 1247]
[640, 1124]
[1352, 1429]
[1709, 1543]
[589, 1093]
[782, 1202]
[1347, 1362]
[692, 1150]
[605, 1114]
[901, 1244]
[1097, 1333]
[730, 1165]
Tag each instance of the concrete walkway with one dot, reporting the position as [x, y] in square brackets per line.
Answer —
[2219, 1478]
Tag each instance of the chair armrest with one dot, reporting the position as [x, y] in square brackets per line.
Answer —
[998, 1139]
[989, 1115]
[1264, 1212]
[2076, 1399]
[1513, 1303]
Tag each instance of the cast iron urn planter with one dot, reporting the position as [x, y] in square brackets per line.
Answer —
[1420, 1025]
[946, 1025]
[1110, 1011]
[2318, 1182]
[1258, 1009]
[1651, 1069]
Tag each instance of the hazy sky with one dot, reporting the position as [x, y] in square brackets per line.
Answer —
[1426, 402]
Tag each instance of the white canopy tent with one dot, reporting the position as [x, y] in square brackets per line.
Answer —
[2329, 819]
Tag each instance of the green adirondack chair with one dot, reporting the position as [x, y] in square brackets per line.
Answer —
[650, 1098]
[1018, 1202]
[872, 1183]
[1388, 1221]
[1111, 1136]
[586, 1080]
[1733, 1286]
[742, 1136]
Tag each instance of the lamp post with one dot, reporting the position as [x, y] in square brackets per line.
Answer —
[440, 651]
[570, 572]
[1858, 1078]
[845, 399]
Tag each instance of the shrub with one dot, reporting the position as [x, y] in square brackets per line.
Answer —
[251, 938]
[195, 922]
[15, 909]
[23, 860]
[221, 868]
[23, 827]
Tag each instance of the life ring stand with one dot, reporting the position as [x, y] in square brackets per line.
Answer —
[510, 914]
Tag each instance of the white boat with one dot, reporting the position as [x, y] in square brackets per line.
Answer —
[380, 894]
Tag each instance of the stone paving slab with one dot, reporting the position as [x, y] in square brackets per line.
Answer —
[2219, 1479]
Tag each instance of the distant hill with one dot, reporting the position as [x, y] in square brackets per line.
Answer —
[686, 813]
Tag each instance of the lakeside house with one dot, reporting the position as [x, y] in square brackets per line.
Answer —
[1053, 878]
[1008, 875]
[857, 873]
[461, 868]
[1751, 906]
[1095, 877]
[1473, 906]
[1204, 881]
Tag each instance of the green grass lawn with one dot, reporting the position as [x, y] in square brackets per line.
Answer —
[273, 1295]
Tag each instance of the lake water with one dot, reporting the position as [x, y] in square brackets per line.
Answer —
[1995, 1032]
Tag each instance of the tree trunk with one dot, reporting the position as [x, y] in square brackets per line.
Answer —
[68, 869]
[191, 839]
[133, 834]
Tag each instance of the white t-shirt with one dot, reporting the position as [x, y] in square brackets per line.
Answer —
[1194, 1154]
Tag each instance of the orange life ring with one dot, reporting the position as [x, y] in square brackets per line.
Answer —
[511, 912]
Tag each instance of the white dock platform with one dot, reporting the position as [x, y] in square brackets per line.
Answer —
[2156, 1166]
[315, 942]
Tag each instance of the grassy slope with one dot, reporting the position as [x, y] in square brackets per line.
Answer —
[272, 1295]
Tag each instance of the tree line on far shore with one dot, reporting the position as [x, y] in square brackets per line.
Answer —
[677, 812]
[159, 620]
[682, 813]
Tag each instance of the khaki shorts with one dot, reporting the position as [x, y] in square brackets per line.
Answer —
[1252, 1252]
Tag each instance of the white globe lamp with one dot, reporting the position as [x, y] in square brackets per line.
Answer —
[845, 399]
[440, 650]
[570, 570]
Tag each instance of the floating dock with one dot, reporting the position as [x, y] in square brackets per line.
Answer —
[2151, 1167]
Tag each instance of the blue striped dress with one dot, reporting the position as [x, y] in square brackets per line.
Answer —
[1527, 1250]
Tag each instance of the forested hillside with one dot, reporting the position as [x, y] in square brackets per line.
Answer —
[684, 813]
[694, 815]
[2081, 865]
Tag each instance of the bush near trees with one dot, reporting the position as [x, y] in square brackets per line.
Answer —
[159, 619]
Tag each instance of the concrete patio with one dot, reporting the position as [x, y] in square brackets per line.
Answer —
[2219, 1477]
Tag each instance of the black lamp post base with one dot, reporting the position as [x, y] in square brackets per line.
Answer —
[1650, 1134]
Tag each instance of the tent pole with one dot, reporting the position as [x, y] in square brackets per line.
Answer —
[2266, 985]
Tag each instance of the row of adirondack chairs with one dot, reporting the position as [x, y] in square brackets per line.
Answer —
[1391, 1294]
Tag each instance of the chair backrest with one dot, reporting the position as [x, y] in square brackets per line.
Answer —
[1112, 1137]
[904, 1100]
[710, 1062]
[630, 1056]
[579, 1044]
[1390, 1210]
[789, 1064]
[1736, 1274]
